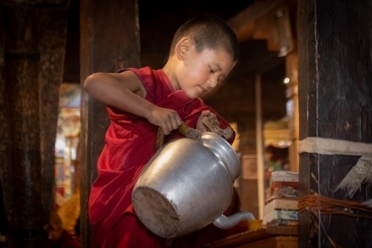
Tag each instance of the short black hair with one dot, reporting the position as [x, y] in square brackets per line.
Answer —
[208, 31]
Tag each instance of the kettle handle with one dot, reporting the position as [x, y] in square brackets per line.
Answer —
[226, 222]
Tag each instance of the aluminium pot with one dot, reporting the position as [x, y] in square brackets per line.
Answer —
[187, 185]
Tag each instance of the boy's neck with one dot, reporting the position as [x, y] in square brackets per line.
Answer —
[169, 69]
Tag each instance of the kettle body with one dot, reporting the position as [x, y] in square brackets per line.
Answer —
[187, 185]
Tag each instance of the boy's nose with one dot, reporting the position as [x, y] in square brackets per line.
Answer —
[212, 82]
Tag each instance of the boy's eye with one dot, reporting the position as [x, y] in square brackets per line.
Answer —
[212, 69]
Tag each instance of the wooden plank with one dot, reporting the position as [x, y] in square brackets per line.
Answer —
[282, 230]
[273, 242]
[239, 239]
[252, 237]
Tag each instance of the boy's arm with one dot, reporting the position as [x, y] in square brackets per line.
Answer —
[121, 90]
[126, 92]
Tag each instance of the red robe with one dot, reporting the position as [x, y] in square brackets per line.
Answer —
[130, 143]
[66, 240]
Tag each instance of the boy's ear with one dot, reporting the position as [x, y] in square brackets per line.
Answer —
[182, 47]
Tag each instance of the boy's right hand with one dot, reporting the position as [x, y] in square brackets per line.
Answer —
[167, 119]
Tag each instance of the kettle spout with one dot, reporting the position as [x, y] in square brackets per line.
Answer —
[226, 222]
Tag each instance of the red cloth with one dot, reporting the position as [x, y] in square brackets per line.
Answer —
[130, 143]
[66, 240]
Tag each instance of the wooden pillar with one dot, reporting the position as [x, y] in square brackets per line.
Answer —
[248, 186]
[31, 65]
[109, 36]
[334, 40]
[291, 61]
[260, 148]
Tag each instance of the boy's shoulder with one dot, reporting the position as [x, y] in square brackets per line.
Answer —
[142, 70]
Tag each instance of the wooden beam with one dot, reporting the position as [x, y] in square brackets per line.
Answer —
[243, 23]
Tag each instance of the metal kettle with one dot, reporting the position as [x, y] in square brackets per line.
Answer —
[187, 185]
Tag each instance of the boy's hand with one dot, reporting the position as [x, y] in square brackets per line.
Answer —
[211, 117]
[167, 119]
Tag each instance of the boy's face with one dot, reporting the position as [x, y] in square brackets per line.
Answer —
[199, 73]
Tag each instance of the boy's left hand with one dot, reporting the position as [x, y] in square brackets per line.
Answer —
[211, 117]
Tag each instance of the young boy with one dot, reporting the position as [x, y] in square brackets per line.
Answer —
[139, 101]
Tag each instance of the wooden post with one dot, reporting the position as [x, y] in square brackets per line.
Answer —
[334, 42]
[259, 149]
[109, 36]
[291, 62]
[31, 64]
